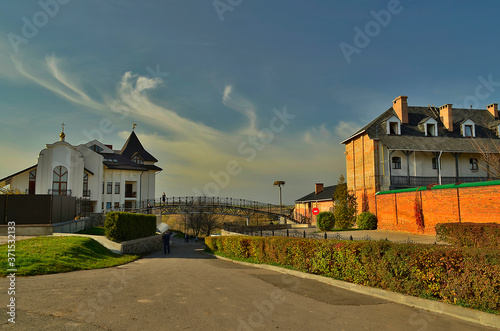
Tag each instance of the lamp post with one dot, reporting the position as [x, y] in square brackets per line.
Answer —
[280, 183]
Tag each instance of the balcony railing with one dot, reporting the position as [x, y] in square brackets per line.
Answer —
[60, 192]
[415, 181]
[86, 193]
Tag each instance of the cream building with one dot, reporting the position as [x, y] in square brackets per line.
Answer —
[111, 179]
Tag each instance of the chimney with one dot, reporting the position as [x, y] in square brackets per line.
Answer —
[400, 105]
[493, 109]
[318, 188]
[446, 116]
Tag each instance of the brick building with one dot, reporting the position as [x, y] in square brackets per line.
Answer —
[410, 146]
[321, 198]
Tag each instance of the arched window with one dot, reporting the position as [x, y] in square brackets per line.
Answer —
[137, 159]
[32, 182]
[60, 181]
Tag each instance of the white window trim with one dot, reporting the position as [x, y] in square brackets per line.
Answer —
[435, 133]
[393, 119]
[469, 122]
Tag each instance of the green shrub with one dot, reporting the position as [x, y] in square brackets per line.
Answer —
[120, 226]
[476, 235]
[367, 221]
[464, 276]
[325, 221]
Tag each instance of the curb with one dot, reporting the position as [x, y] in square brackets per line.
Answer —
[466, 314]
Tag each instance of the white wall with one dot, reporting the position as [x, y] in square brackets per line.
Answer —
[60, 154]
[21, 182]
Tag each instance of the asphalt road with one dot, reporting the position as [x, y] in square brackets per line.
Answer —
[188, 290]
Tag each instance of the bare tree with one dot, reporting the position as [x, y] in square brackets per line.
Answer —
[202, 221]
[210, 222]
[490, 154]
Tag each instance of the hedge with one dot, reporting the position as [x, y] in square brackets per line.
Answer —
[467, 277]
[120, 226]
[476, 235]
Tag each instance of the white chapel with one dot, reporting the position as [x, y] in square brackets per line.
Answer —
[111, 179]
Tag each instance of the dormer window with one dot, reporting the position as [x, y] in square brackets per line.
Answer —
[468, 129]
[429, 126]
[96, 148]
[431, 130]
[394, 126]
[137, 159]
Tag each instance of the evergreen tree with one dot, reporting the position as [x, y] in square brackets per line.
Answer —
[345, 205]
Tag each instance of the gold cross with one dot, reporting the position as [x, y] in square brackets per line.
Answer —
[133, 126]
[63, 125]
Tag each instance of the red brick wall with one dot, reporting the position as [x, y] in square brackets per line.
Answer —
[303, 209]
[468, 204]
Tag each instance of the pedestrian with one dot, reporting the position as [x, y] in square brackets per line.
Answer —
[186, 237]
[166, 242]
[196, 239]
[163, 198]
[150, 208]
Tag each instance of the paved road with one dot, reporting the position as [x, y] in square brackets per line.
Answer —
[188, 290]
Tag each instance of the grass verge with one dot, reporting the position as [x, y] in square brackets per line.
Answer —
[95, 230]
[49, 255]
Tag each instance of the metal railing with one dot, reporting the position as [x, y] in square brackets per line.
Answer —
[415, 181]
[59, 192]
[263, 231]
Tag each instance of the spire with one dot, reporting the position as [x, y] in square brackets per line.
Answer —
[62, 135]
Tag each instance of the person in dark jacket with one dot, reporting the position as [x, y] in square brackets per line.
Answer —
[166, 242]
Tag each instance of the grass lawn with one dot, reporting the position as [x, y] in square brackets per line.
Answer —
[95, 230]
[49, 255]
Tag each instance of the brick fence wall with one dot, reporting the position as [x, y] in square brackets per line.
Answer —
[479, 204]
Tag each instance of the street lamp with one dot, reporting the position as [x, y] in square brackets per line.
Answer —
[280, 183]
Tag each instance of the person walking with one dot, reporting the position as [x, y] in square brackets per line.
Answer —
[166, 242]
[163, 198]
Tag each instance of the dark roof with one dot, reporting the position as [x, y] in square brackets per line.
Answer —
[413, 133]
[117, 161]
[133, 146]
[326, 194]
[18, 173]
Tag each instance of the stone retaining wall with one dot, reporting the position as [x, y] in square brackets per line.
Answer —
[143, 245]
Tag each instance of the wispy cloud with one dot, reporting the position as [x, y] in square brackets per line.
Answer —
[242, 105]
[47, 74]
[346, 129]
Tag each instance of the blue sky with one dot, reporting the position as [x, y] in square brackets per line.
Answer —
[231, 95]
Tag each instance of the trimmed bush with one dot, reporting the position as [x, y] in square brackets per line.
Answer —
[366, 221]
[325, 221]
[120, 226]
[476, 235]
[463, 276]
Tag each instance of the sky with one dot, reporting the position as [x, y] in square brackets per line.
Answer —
[233, 95]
